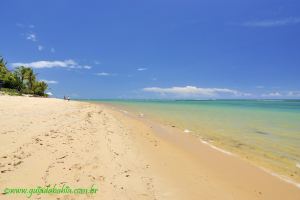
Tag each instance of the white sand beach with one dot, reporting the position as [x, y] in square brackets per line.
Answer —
[45, 141]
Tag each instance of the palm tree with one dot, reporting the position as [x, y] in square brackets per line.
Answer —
[40, 88]
[3, 68]
[22, 79]
[20, 75]
[21, 72]
[43, 86]
[31, 77]
[8, 79]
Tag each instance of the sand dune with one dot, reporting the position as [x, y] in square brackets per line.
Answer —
[51, 141]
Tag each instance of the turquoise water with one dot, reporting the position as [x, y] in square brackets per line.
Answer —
[266, 132]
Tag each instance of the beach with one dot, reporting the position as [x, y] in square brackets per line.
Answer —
[48, 141]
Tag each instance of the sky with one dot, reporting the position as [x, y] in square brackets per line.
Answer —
[192, 49]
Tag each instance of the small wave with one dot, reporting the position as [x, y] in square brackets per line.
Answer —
[271, 100]
[124, 111]
[281, 177]
[221, 150]
[186, 131]
[203, 141]
[216, 148]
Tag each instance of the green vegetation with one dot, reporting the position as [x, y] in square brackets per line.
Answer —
[22, 80]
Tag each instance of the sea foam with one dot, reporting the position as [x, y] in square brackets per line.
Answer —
[283, 178]
[124, 111]
[216, 148]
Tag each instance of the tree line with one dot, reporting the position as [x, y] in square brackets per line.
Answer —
[21, 80]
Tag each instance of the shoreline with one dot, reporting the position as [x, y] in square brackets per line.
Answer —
[81, 143]
[206, 141]
[166, 132]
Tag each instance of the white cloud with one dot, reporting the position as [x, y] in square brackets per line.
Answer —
[195, 91]
[51, 64]
[293, 94]
[282, 94]
[87, 67]
[20, 25]
[272, 94]
[49, 93]
[50, 82]
[31, 36]
[96, 62]
[103, 74]
[272, 23]
[40, 47]
[141, 69]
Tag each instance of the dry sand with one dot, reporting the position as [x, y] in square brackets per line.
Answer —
[51, 141]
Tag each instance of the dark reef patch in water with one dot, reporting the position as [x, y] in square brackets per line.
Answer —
[262, 132]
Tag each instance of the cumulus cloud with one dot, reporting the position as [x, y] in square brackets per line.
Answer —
[31, 36]
[141, 69]
[51, 64]
[28, 28]
[103, 74]
[272, 23]
[195, 91]
[97, 62]
[40, 47]
[49, 93]
[20, 25]
[282, 94]
[293, 94]
[50, 82]
[272, 94]
[87, 67]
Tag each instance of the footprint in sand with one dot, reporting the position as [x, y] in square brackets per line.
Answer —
[4, 171]
[149, 183]
[37, 140]
[62, 157]
[17, 163]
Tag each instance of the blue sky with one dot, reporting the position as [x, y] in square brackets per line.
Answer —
[157, 48]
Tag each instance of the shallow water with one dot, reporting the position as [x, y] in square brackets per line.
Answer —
[266, 132]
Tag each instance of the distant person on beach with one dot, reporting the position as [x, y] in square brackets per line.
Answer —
[65, 98]
[68, 98]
